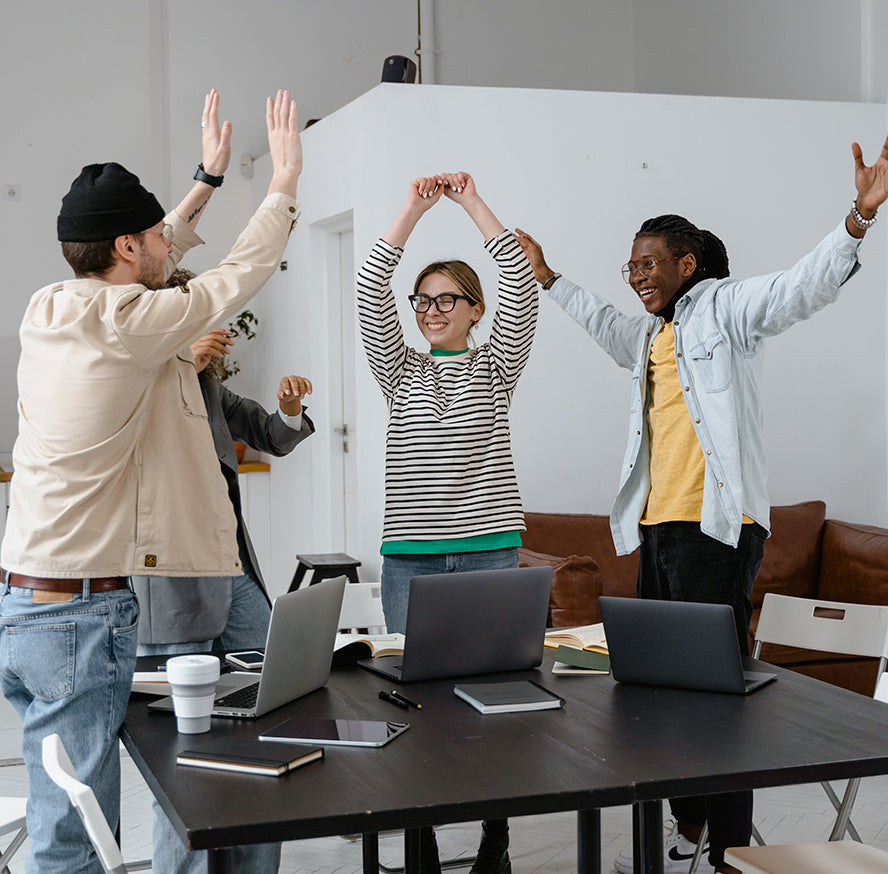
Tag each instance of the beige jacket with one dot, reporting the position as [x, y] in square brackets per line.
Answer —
[115, 470]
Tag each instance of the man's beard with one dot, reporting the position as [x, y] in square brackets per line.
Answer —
[151, 275]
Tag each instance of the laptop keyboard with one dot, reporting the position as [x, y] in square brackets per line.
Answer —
[242, 698]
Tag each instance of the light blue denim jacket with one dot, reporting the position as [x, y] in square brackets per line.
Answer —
[719, 328]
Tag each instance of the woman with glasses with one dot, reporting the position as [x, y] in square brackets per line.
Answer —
[693, 484]
[451, 495]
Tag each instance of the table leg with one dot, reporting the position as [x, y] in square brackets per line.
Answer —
[647, 837]
[589, 842]
[220, 861]
[411, 851]
[370, 852]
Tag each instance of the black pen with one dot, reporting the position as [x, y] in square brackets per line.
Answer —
[408, 701]
[392, 700]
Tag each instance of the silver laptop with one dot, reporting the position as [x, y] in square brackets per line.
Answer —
[681, 644]
[477, 622]
[298, 654]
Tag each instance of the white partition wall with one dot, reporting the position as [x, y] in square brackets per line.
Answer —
[580, 171]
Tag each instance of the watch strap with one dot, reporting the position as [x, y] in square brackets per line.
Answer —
[201, 175]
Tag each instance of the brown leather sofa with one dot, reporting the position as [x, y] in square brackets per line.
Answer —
[807, 555]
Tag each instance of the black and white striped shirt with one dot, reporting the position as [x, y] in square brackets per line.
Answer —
[448, 465]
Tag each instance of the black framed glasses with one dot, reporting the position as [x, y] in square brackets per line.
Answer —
[444, 303]
[645, 268]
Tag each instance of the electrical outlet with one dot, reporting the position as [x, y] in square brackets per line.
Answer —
[12, 192]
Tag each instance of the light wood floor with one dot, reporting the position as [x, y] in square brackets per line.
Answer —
[540, 844]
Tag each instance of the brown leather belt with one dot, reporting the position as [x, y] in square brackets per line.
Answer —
[96, 584]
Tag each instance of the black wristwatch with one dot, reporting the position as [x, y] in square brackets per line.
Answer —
[201, 175]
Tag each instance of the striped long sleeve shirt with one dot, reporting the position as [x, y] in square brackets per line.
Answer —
[448, 467]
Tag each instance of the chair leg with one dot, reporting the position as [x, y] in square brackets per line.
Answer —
[698, 853]
[843, 820]
[9, 852]
[704, 834]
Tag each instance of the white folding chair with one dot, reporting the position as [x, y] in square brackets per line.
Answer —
[825, 626]
[362, 608]
[12, 821]
[837, 857]
[61, 771]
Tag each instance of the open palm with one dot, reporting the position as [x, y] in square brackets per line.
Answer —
[871, 182]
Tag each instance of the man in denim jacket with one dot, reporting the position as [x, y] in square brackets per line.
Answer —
[693, 490]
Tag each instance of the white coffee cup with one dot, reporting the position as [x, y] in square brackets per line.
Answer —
[193, 681]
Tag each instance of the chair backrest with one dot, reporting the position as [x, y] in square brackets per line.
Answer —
[362, 607]
[61, 771]
[827, 626]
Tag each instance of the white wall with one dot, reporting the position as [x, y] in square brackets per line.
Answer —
[102, 81]
[758, 178]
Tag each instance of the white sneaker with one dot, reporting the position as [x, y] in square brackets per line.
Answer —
[677, 854]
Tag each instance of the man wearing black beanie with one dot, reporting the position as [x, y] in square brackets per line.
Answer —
[115, 470]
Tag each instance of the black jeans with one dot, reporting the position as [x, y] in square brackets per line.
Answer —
[680, 563]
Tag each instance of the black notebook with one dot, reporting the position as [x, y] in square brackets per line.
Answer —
[507, 697]
[249, 756]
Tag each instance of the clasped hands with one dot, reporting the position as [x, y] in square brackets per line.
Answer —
[426, 191]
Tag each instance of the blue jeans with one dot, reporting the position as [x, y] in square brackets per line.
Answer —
[247, 628]
[67, 668]
[397, 571]
[680, 563]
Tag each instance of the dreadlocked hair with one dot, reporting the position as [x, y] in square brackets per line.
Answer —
[681, 237]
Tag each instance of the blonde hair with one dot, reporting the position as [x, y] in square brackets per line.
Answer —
[463, 277]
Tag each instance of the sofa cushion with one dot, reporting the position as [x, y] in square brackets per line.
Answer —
[576, 585]
[791, 563]
[854, 564]
[562, 534]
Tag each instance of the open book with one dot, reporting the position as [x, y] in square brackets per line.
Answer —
[362, 646]
[589, 637]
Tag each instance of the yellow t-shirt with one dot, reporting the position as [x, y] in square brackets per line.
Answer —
[677, 462]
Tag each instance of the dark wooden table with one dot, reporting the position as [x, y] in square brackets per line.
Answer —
[610, 745]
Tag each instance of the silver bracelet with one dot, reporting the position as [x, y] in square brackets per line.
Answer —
[859, 220]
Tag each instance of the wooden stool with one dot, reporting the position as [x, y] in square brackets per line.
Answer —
[326, 565]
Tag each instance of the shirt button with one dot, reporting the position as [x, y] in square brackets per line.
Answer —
[676, 324]
[697, 421]
[709, 452]
[292, 209]
[687, 388]
[678, 355]
[721, 485]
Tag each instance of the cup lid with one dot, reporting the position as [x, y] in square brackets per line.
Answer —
[192, 669]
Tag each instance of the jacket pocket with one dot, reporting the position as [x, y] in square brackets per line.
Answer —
[711, 363]
[189, 389]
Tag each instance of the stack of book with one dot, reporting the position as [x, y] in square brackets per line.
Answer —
[579, 650]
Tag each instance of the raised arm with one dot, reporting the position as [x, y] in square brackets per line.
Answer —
[422, 195]
[216, 142]
[284, 144]
[460, 188]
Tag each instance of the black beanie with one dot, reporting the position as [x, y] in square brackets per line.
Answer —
[106, 201]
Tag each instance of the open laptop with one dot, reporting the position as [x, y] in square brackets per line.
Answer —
[476, 622]
[298, 654]
[676, 643]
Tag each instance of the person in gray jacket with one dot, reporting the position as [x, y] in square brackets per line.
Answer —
[220, 613]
